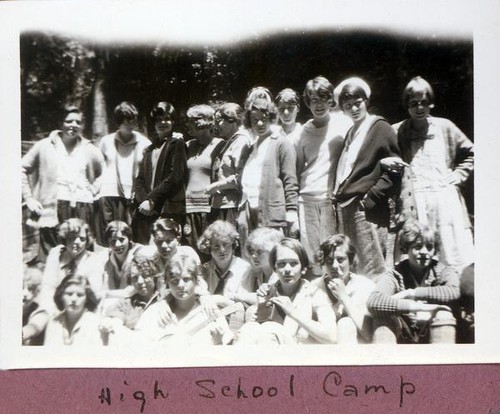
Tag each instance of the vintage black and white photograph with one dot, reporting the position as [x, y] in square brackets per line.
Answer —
[288, 184]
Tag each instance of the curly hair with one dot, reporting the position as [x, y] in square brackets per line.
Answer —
[91, 301]
[332, 243]
[292, 244]
[218, 230]
[413, 230]
[145, 265]
[183, 262]
[75, 226]
[230, 111]
[264, 237]
[257, 92]
[204, 113]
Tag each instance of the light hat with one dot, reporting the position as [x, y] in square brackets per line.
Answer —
[351, 81]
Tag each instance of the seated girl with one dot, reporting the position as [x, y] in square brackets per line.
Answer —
[292, 310]
[69, 258]
[167, 235]
[411, 303]
[118, 237]
[259, 244]
[32, 278]
[347, 290]
[225, 273]
[142, 274]
[188, 322]
[76, 324]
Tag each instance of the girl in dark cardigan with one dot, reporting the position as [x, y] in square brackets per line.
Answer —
[361, 187]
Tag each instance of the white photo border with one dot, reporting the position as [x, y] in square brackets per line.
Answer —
[195, 21]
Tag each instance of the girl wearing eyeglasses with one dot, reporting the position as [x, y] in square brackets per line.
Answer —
[439, 159]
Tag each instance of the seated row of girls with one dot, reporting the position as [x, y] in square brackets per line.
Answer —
[301, 316]
[105, 271]
[78, 325]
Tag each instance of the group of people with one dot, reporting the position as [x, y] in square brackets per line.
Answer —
[253, 229]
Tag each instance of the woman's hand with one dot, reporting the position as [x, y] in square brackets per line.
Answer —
[405, 294]
[284, 303]
[28, 332]
[220, 334]
[211, 189]
[34, 206]
[428, 307]
[292, 220]
[337, 287]
[209, 305]
[263, 291]
[146, 208]
[454, 178]
[109, 325]
[393, 164]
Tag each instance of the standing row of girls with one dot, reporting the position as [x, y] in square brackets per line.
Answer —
[333, 175]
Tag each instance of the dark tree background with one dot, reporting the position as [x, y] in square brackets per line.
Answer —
[96, 76]
[56, 69]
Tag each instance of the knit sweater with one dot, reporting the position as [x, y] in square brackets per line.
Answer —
[167, 190]
[367, 180]
[40, 174]
[440, 287]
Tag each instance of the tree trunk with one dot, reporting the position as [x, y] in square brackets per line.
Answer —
[100, 117]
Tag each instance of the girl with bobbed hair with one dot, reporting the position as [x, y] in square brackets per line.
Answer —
[166, 234]
[413, 302]
[69, 258]
[225, 273]
[315, 147]
[259, 244]
[291, 311]
[202, 151]
[269, 180]
[347, 290]
[143, 274]
[361, 187]
[257, 92]
[188, 322]
[59, 176]
[288, 103]
[76, 324]
[225, 189]
[159, 188]
[123, 150]
[436, 162]
[121, 250]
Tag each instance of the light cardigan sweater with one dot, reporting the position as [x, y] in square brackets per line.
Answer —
[40, 169]
[459, 152]
[278, 191]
